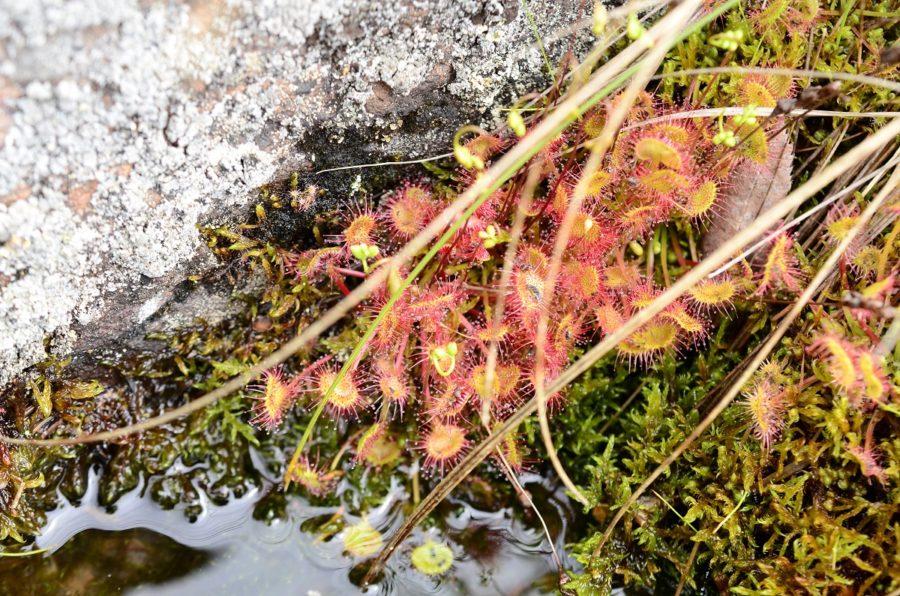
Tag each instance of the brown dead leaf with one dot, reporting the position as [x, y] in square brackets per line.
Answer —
[752, 190]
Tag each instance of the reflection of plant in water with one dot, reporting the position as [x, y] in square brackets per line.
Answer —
[361, 539]
[432, 558]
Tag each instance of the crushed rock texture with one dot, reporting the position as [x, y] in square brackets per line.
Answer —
[125, 124]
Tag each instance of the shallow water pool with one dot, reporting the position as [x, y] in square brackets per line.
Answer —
[139, 548]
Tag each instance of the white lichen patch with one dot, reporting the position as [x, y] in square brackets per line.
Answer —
[125, 124]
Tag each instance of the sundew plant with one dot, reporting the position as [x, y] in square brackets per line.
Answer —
[669, 279]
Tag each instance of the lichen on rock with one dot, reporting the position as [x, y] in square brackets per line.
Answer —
[124, 125]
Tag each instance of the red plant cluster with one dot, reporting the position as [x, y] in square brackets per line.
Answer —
[766, 402]
[429, 355]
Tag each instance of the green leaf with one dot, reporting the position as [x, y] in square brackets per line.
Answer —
[81, 389]
[234, 426]
[230, 367]
[42, 397]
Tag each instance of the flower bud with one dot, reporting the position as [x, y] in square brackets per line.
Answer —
[516, 123]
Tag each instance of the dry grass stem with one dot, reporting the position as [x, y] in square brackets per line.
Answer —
[678, 18]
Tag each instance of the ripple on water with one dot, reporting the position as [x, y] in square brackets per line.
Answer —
[227, 550]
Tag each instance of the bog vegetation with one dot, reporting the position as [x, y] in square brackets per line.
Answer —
[727, 417]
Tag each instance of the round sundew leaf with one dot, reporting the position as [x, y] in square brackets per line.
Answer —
[658, 151]
[664, 181]
[701, 200]
[360, 229]
[382, 452]
[432, 558]
[445, 442]
[713, 292]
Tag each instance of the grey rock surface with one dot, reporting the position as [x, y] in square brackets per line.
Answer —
[125, 124]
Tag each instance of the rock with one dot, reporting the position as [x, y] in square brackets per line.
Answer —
[126, 124]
